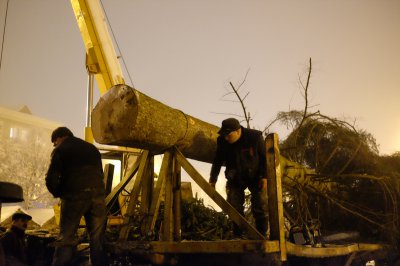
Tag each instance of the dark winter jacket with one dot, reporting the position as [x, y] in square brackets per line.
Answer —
[245, 160]
[75, 171]
[14, 247]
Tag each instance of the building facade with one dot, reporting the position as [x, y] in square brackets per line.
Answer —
[25, 149]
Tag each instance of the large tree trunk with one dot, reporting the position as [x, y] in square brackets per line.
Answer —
[127, 117]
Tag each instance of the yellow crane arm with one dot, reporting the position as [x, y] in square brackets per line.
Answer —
[101, 59]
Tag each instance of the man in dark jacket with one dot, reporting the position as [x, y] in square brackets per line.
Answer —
[76, 176]
[243, 152]
[14, 242]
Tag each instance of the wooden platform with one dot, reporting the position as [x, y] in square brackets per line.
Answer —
[329, 250]
[237, 246]
[171, 244]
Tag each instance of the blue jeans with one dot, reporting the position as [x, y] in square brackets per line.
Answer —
[94, 210]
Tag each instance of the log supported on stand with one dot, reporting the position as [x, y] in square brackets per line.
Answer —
[124, 116]
[127, 117]
[169, 181]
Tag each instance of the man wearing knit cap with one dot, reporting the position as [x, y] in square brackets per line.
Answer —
[243, 152]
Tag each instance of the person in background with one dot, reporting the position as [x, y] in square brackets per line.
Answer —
[75, 175]
[243, 152]
[13, 241]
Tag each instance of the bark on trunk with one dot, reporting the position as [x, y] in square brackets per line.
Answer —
[127, 117]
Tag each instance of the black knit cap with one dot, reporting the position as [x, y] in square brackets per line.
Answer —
[229, 125]
[20, 215]
[61, 132]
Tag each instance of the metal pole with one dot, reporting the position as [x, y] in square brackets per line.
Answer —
[89, 108]
[89, 102]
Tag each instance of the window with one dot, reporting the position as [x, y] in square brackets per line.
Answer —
[13, 133]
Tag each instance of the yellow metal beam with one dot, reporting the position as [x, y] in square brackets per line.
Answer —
[101, 60]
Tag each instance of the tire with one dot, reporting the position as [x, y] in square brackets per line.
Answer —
[10, 192]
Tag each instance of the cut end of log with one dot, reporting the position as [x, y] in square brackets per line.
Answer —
[127, 117]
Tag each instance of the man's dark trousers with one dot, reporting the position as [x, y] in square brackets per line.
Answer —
[92, 207]
[236, 197]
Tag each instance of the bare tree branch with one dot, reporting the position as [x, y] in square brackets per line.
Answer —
[247, 94]
[306, 94]
[270, 124]
[228, 93]
[241, 100]
[232, 101]
[242, 104]
[227, 114]
[244, 80]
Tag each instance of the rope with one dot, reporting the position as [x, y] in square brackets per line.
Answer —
[116, 42]
[4, 34]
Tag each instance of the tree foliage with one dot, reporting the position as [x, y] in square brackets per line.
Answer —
[364, 192]
[364, 186]
[25, 162]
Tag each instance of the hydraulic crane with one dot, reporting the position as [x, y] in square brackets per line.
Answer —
[101, 59]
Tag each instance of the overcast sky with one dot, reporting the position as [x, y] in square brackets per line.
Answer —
[184, 53]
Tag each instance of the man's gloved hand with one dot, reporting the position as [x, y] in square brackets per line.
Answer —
[263, 184]
[212, 184]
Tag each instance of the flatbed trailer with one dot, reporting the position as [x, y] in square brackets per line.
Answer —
[174, 251]
[237, 252]
[102, 63]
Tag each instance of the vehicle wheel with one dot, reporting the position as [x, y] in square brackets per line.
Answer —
[10, 192]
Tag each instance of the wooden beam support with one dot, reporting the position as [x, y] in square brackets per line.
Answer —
[108, 177]
[168, 222]
[329, 250]
[127, 177]
[177, 200]
[275, 203]
[157, 195]
[217, 198]
[209, 247]
[134, 196]
[350, 259]
[230, 246]
[146, 195]
[239, 246]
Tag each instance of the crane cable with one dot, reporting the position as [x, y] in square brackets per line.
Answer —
[116, 42]
[4, 35]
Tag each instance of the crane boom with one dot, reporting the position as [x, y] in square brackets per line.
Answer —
[101, 59]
